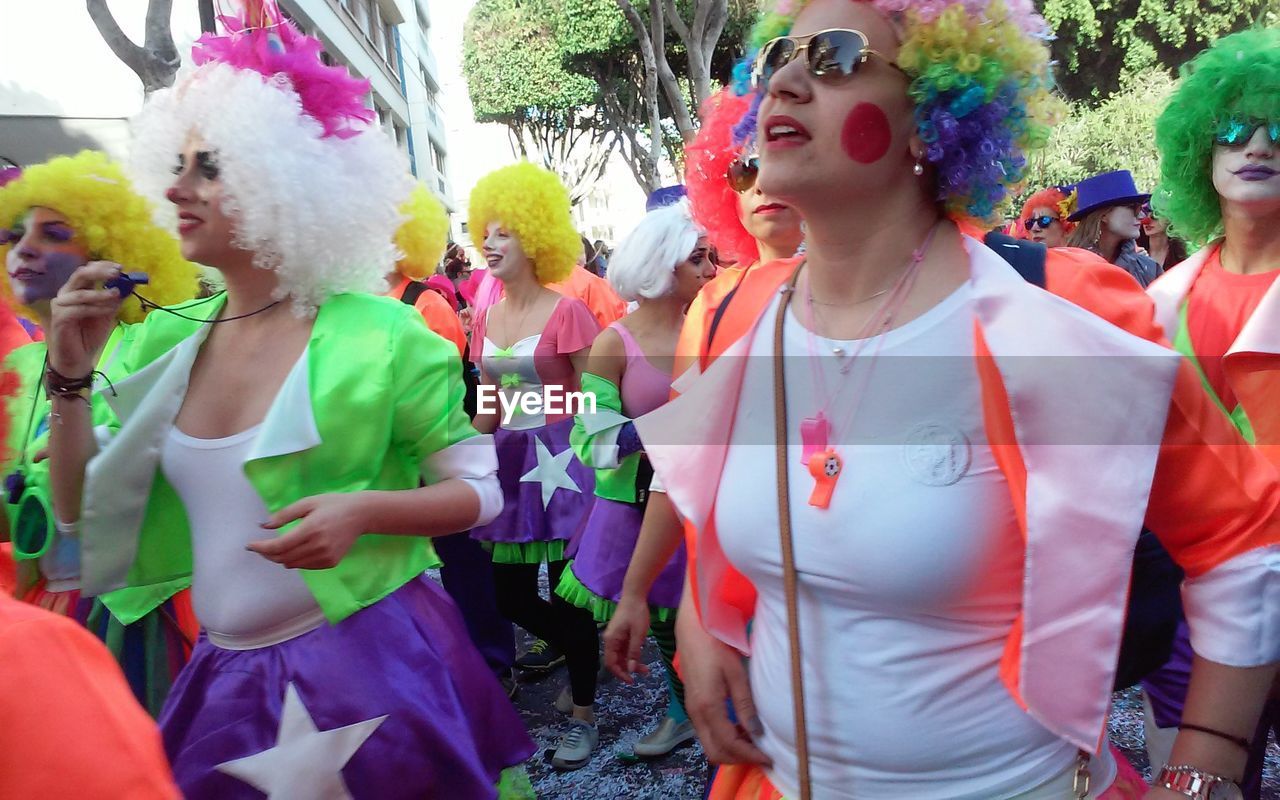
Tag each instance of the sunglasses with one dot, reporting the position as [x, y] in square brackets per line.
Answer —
[1042, 222]
[742, 173]
[833, 54]
[1237, 132]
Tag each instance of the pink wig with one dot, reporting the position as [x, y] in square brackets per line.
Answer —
[266, 43]
[707, 158]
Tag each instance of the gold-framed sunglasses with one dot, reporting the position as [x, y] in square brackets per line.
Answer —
[833, 54]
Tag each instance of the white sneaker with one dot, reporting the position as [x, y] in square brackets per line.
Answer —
[666, 737]
[574, 750]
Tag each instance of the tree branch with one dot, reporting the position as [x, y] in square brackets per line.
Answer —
[159, 33]
[131, 54]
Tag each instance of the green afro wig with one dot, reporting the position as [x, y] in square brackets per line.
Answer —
[1239, 76]
[533, 204]
[423, 236]
[110, 219]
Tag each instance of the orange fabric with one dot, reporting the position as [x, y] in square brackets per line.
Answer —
[1218, 307]
[8, 570]
[596, 292]
[749, 782]
[71, 726]
[436, 312]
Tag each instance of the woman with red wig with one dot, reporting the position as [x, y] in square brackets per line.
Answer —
[1043, 218]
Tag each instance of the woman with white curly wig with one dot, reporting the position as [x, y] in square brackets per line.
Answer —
[313, 435]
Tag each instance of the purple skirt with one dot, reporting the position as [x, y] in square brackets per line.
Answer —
[603, 551]
[447, 728]
[536, 469]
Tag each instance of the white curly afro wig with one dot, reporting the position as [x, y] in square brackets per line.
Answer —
[319, 209]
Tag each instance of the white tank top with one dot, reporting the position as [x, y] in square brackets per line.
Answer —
[242, 599]
[909, 582]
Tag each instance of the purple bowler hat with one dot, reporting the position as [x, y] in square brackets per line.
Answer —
[1103, 191]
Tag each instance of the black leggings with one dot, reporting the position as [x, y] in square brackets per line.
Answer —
[569, 629]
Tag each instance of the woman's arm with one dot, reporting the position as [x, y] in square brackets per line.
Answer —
[660, 535]
[1226, 699]
[83, 318]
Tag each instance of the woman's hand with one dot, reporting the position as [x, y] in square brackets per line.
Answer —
[624, 638]
[330, 525]
[713, 672]
[83, 318]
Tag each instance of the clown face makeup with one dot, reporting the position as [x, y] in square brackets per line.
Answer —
[45, 252]
[1247, 174]
[502, 251]
[1123, 222]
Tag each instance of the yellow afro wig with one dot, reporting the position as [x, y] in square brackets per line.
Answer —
[112, 221]
[533, 204]
[423, 236]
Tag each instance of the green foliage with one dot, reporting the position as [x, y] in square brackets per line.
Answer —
[1118, 134]
[1104, 45]
[513, 65]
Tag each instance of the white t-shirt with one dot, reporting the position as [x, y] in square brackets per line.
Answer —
[909, 582]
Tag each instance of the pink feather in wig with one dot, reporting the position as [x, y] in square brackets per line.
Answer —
[275, 47]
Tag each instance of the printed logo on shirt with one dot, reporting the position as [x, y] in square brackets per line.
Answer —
[936, 454]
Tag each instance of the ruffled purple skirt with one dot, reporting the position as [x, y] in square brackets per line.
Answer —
[446, 727]
[603, 551]
[547, 491]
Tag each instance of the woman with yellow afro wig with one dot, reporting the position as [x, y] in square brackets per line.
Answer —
[531, 341]
[57, 216]
[421, 240]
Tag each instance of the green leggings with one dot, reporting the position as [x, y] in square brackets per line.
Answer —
[664, 633]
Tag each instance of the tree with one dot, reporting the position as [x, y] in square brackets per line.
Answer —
[515, 77]
[1118, 134]
[156, 60]
[650, 84]
[1103, 45]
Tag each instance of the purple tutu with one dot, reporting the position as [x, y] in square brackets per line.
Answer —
[537, 469]
[603, 551]
[422, 714]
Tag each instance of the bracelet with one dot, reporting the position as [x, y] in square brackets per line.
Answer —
[1238, 741]
[58, 385]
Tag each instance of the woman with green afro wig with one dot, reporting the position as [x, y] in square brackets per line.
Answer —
[532, 346]
[1220, 183]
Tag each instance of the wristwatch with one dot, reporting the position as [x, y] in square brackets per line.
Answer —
[1198, 785]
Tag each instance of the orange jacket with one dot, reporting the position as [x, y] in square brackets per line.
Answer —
[435, 310]
[596, 292]
[1097, 426]
[71, 727]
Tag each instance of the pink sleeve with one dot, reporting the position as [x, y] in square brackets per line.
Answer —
[573, 326]
[479, 318]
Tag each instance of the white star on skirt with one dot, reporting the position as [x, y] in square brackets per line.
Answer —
[305, 764]
[552, 472]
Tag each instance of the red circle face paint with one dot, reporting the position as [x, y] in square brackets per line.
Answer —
[866, 135]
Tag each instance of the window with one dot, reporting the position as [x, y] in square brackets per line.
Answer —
[389, 42]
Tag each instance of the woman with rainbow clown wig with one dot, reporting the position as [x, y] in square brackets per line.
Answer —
[926, 580]
[62, 214]
[531, 341]
[310, 434]
[1219, 142]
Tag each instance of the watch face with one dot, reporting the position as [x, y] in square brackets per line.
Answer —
[1225, 791]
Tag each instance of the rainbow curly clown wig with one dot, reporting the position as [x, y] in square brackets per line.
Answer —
[1238, 77]
[712, 200]
[314, 188]
[111, 220]
[422, 237]
[1052, 197]
[981, 84]
[532, 204]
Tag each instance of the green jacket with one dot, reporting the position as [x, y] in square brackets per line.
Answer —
[594, 440]
[382, 393]
[29, 418]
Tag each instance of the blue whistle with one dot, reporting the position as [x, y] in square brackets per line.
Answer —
[126, 281]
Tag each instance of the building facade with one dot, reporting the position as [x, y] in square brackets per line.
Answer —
[64, 90]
